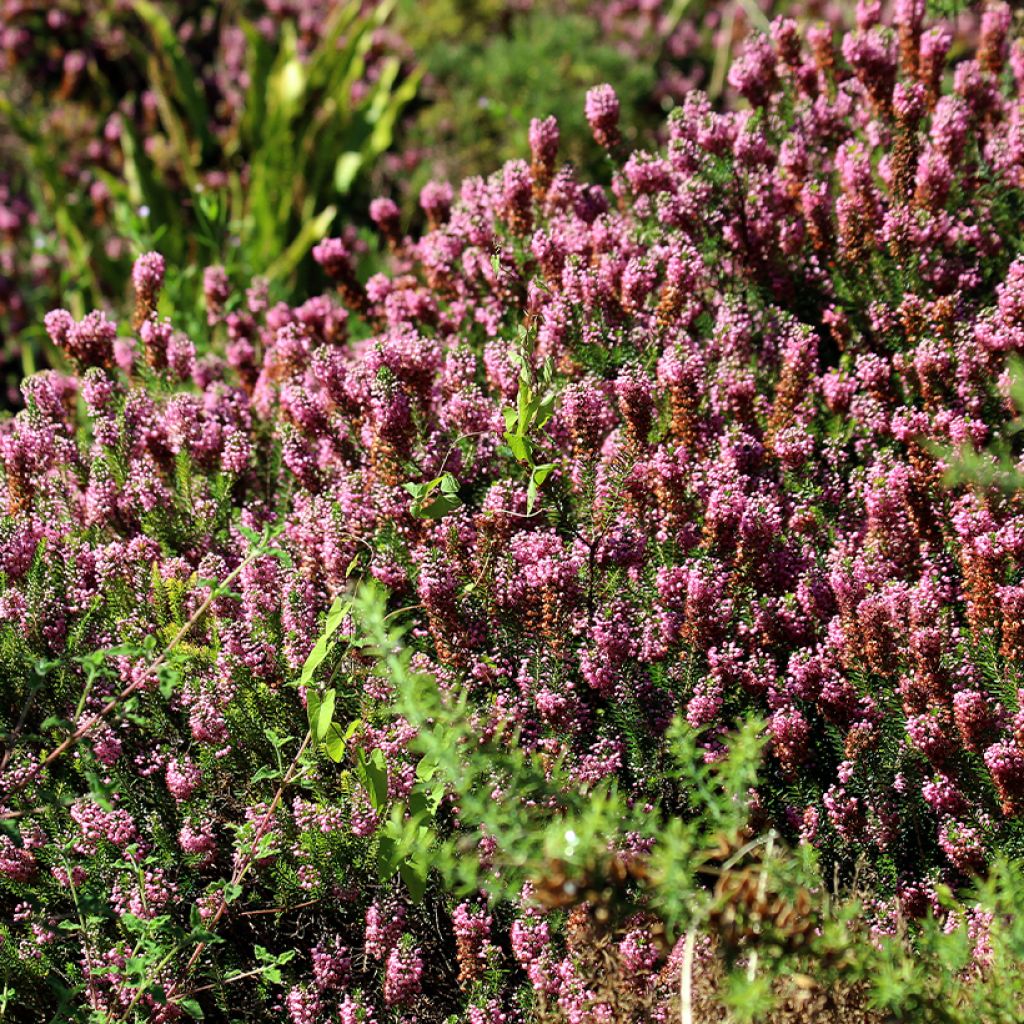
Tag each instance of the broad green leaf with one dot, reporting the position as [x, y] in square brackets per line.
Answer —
[417, 802]
[374, 774]
[312, 709]
[325, 715]
[441, 506]
[541, 473]
[519, 445]
[345, 171]
[339, 609]
[334, 743]
[414, 874]
[387, 858]
[523, 404]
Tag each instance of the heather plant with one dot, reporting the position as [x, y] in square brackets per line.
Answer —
[229, 139]
[705, 669]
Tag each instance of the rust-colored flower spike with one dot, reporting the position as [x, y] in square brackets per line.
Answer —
[602, 110]
[336, 259]
[385, 214]
[909, 102]
[992, 47]
[147, 279]
[436, 201]
[544, 137]
[909, 18]
[819, 38]
[517, 193]
[935, 44]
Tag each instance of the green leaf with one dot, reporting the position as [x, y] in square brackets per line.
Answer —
[346, 169]
[336, 615]
[441, 506]
[339, 609]
[1016, 366]
[387, 858]
[417, 802]
[325, 714]
[545, 410]
[374, 774]
[335, 743]
[519, 445]
[541, 473]
[414, 875]
[523, 403]
[312, 709]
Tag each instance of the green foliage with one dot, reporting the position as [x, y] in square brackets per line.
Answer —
[997, 466]
[492, 70]
[253, 195]
[543, 824]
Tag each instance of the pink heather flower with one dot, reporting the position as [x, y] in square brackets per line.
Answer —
[638, 954]
[602, 110]
[332, 964]
[89, 342]
[403, 976]
[385, 214]
[753, 74]
[183, 778]
[303, 1006]
[472, 927]
[351, 1011]
[148, 274]
[544, 138]
[436, 201]
[217, 291]
[962, 845]
[197, 840]
[1005, 762]
[16, 863]
[384, 927]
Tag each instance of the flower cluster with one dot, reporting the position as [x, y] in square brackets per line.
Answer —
[671, 448]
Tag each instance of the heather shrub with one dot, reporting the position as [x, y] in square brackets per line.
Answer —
[230, 137]
[577, 622]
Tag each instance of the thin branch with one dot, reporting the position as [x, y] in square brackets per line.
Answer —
[686, 979]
